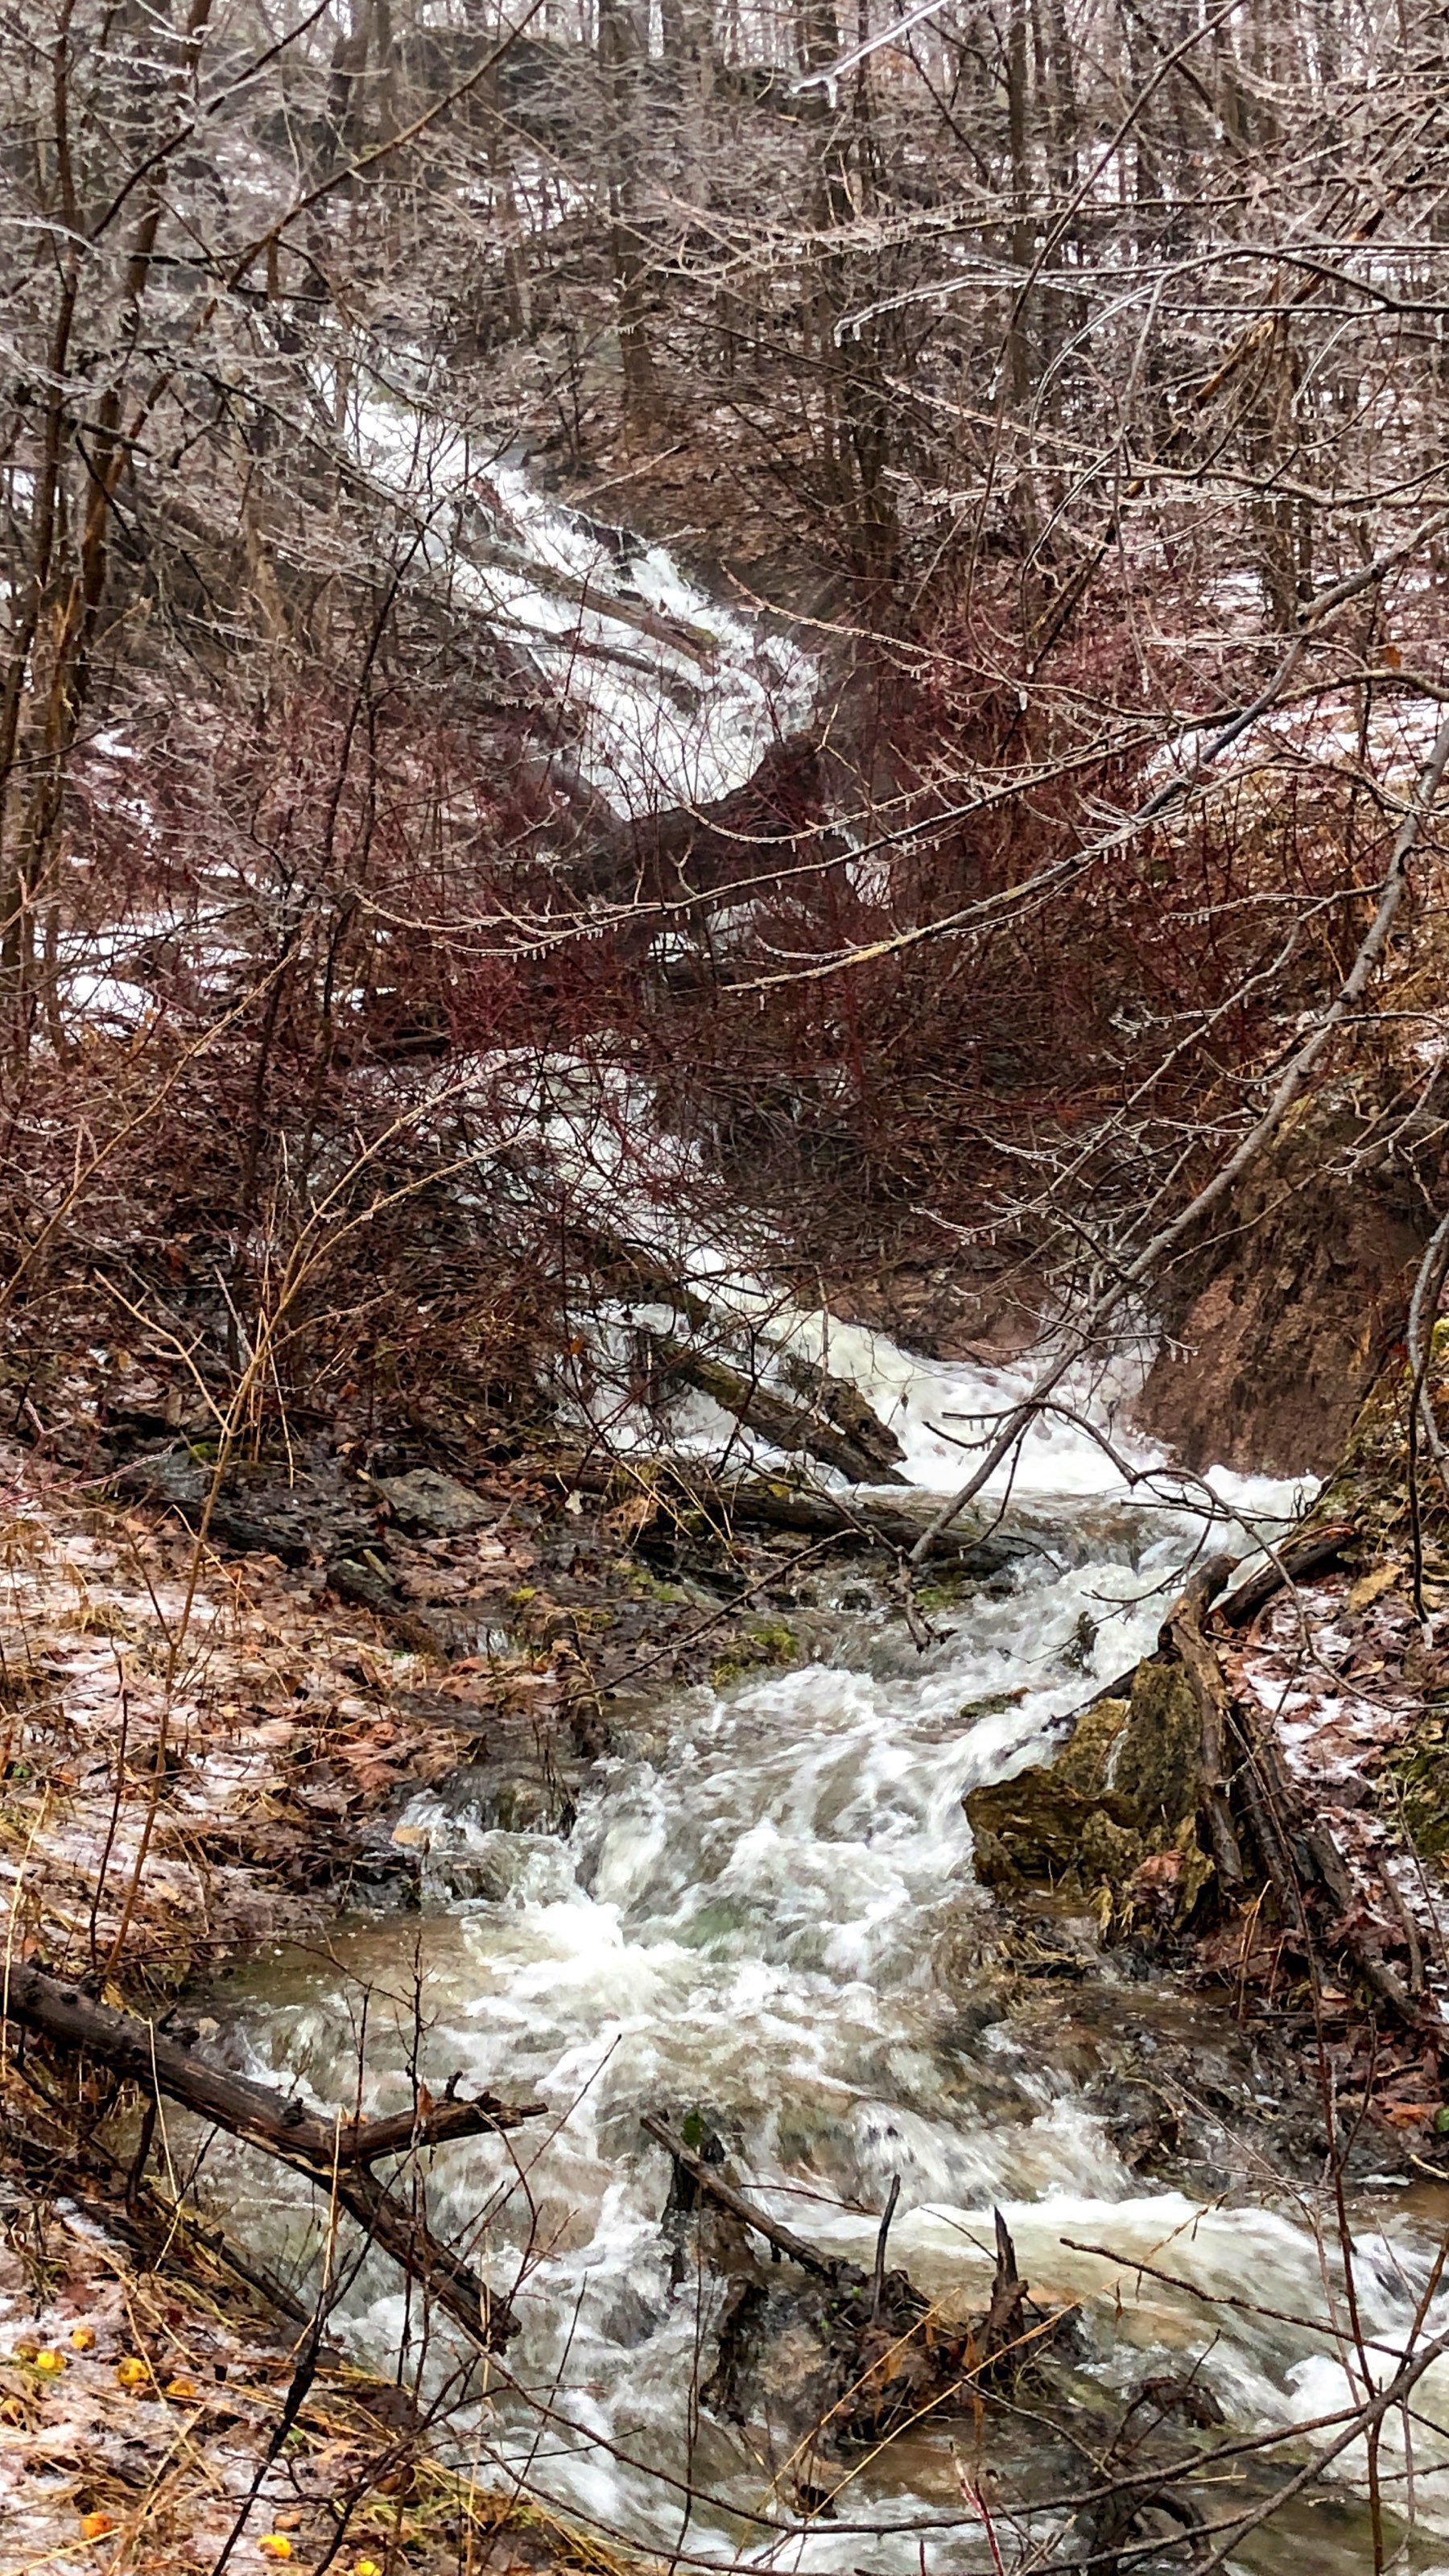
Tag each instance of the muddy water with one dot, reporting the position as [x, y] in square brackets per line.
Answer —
[766, 1910]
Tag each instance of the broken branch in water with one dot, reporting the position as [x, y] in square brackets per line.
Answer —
[883, 2356]
[708, 2179]
[336, 2155]
[788, 1426]
[833, 1422]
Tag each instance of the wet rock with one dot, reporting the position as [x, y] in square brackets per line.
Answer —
[258, 1508]
[1115, 1815]
[631, 2320]
[1033, 1827]
[521, 1791]
[437, 1505]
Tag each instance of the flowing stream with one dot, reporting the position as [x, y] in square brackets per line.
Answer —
[766, 1910]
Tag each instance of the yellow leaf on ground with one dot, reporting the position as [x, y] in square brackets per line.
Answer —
[1381, 1578]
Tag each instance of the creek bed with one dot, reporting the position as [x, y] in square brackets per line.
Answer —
[765, 1912]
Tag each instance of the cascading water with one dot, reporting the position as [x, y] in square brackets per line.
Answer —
[766, 1910]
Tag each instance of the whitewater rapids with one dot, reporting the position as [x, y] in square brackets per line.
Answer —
[767, 1909]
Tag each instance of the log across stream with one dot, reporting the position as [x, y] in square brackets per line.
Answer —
[764, 1928]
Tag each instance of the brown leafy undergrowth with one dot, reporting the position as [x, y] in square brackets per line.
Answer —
[149, 2422]
[193, 1746]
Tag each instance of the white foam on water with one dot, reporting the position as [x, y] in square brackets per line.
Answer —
[774, 1917]
[679, 708]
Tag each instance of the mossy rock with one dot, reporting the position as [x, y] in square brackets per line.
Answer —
[645, 1585]
[1419, 1774]
[1114, 1817]
[1037, 1829]
[948, 1587]
[1370, 1487]
[992, 1704]
[1085, 1761]
[768, 1644]
[1157, 1769]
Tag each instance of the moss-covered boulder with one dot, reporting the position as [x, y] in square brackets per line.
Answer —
[1114, 1818]
[1377, 1489]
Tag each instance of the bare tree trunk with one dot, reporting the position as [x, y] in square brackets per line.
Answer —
[622, 54]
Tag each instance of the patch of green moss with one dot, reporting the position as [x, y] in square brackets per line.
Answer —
[644, 1586]
[1371, 1485]
[770, 1642]
[1419, 1772]
[1086, 1761]
[993, 1704]
[1156, 1768]
[946, 1590]
[1112, 1819]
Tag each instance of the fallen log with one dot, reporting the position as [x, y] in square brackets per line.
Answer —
[786, 1426]
[1182, 1636]
[336, 2155]
[842, 1404]
[779, 1504]
[832, 1403]
[1308, 1553]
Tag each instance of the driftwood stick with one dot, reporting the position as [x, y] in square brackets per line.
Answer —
[431, 2125]
[1004, 2317]
[335, 2155]
[887, 2214]
[708, 2179]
